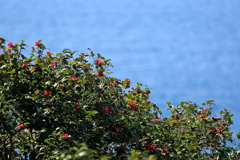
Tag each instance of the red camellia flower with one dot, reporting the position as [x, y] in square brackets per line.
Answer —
[77, 108]
[148, 92]
[24, 66]
[65, 136]
[156, 116]
[127, 80]
[74, 78]
[9, 50]
[37, 43]
[164, 150]
[120, 149]
[152, 147]
[117, 131]
[137, 90]
[99, 62]
[48, 53]
[135, 107]
[200, 115]
[224, 123]
[183, 131]
[54, 63]
[148, 102]
[220, 130]
[131, 103]
[106, 110]
[100, 74]
[21, 127]
[34, 68]
[46, 93]
[212, 130]
[110, 83]
[117, 80]
[175, 115]
[122, 95]
[10, 44]
[206, 110]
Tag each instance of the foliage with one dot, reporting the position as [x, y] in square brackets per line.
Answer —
[53, 105]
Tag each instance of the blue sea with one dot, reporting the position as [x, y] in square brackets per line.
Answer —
[183, 50]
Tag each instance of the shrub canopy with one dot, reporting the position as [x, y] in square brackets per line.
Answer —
[54, 104]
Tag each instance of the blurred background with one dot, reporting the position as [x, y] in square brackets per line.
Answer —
[183, 50]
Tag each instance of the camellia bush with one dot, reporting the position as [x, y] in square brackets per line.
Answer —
[66, 106]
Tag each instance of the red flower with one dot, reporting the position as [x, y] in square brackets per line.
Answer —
[164, 150]
[21, 127]
[100, 74]
[137, 90]
[37, 43]
[24, 66]
[131, 103]
[220, 130]
[48, 53]
[117, 80]
[224, 123]
[148, 102]
[10, 44]
[9, 50]
[175, 115]
[200, 115]
[121, 95]
[65, 136]
[127, 80]
[148, 92]
[99, 62]
[106, 110]
[212, 130]
[135, 107]
[120, 149]
[77, 108]
[34, 68]
[156, 116]
[117, 131]
[46, 93]
[183, 131]
[74, 78]
[206, 110]
[110, 83]
[54, 63]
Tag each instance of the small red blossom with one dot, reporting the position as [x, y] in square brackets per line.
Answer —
[175, 115]
[135, 107]
[117, 131]
[37, 43]
[10, 44]
[183, 131]
[148, 92]
[107, 110]
[156, 116]
[99, 62]
[164, 150]
[148, 102]
[21, 127]
[100, 74]
[34, 68]
[24, 66]
[9, 50]
[110, 83]
[131, 103]
[48, 53]
[117, 80]
[212, 130]
[74, 78]
[127, 80]
[121, 95]
[65, 136]
[220, 130]
[54, 63]
[206, 110]
[77, 108]
[120, 149]
[137, 90]
[200, 115]
[224, 123]
[46, 93]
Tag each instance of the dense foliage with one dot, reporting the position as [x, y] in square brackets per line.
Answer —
[54, 104]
